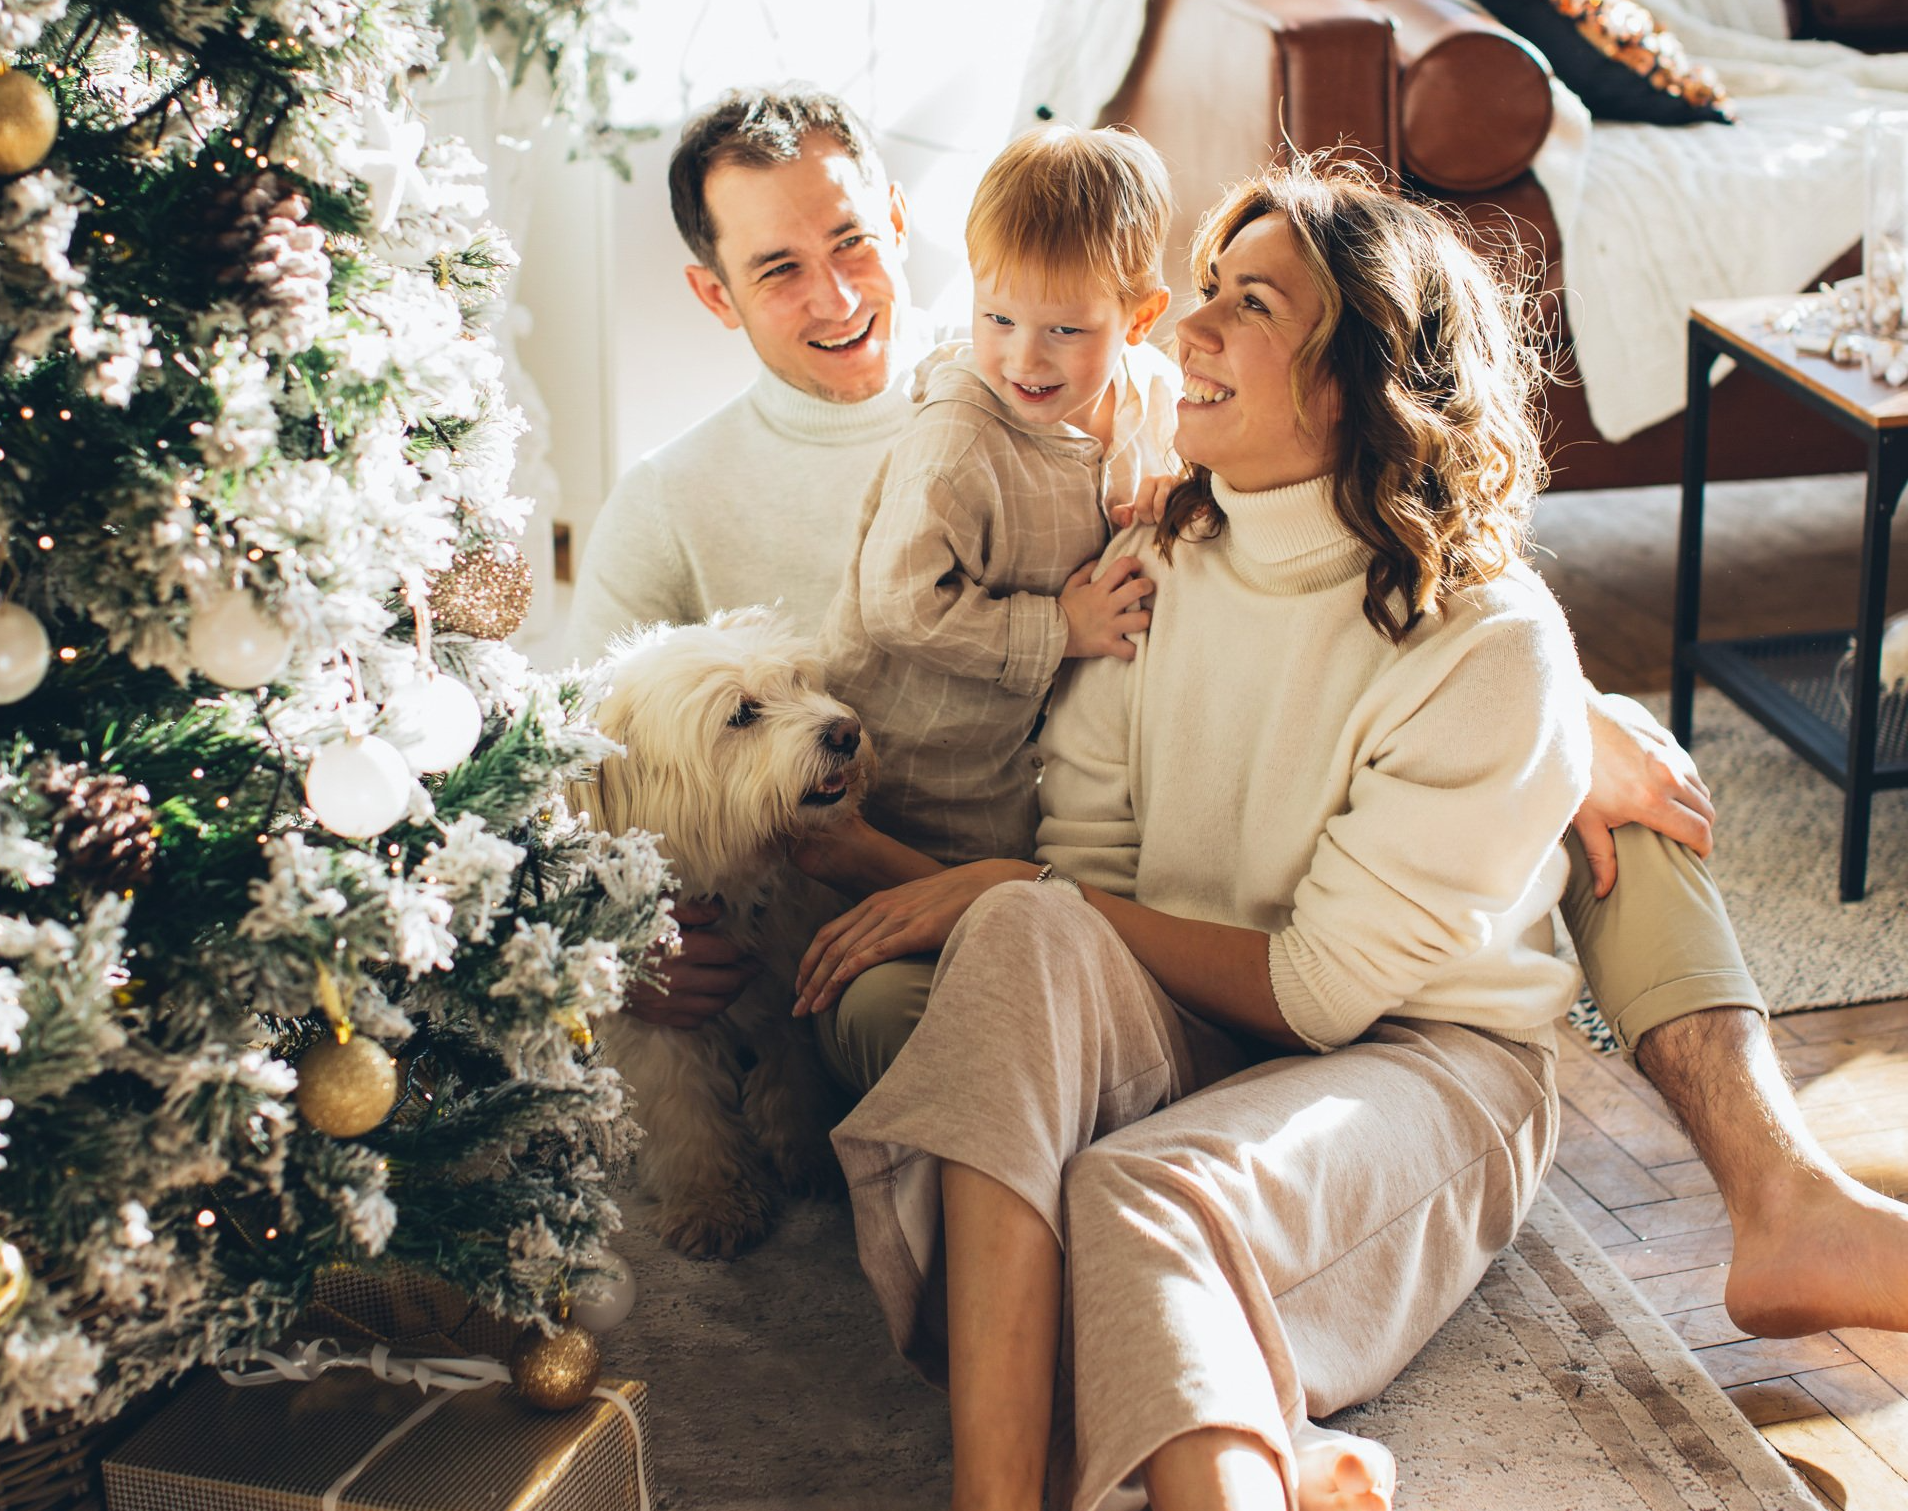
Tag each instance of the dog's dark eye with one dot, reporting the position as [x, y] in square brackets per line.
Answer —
[746, 713]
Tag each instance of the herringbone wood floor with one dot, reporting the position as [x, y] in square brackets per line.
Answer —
[1836, 1404]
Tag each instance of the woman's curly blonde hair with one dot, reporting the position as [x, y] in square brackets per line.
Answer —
[1437, 454]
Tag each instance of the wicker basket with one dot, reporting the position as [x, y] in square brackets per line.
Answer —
[57, 1469]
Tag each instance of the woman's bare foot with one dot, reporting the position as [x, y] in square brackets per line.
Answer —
[1339, 1472]
[1831, 1254]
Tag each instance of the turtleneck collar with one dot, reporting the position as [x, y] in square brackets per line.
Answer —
[803, 416]
[1288, 540]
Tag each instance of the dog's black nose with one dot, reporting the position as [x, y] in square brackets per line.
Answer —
[843, 736]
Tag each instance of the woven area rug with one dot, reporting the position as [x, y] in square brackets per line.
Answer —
[773, 1388]
[1777, 857]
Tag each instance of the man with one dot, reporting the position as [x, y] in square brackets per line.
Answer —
[799, 243]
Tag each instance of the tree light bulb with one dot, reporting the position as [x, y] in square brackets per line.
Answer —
[235, 643]
[358, 788]
[434, 719]
[25, 652]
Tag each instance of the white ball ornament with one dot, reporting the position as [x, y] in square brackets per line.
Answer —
[438, 721]
[603, 1298]
[235, 643]
[25, 652]
[359, 788]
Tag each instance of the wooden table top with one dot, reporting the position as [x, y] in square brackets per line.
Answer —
[1743, 326]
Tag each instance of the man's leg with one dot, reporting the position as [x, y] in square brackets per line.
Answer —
[860, 1036]
[1814, 1249]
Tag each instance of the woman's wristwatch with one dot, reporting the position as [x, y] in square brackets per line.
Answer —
[1047, 874]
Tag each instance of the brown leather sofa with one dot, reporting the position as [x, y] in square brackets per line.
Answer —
[1455, 106]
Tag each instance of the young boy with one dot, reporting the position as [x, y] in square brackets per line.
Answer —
[978, 539]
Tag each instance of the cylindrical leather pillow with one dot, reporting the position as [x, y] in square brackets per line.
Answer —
[1473, 97]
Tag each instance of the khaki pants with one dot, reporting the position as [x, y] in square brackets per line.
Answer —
[1247, 1243]
[1658, 948]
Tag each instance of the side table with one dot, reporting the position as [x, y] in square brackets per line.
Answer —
[1796, 685]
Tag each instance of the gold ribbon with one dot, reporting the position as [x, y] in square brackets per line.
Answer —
[308, 1361]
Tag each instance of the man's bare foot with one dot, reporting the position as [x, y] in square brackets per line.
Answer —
[1833, 1254]
[1339, 1472]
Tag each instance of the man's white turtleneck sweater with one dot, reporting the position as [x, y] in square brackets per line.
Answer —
[1388, 815]
[757, 502]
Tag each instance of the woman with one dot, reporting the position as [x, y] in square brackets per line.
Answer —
[1319, 812]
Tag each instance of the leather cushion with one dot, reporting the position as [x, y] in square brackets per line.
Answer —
[1620, 61]
[1474, 108]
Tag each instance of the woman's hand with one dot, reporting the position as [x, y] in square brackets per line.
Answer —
[905, 920]
[1638, 775]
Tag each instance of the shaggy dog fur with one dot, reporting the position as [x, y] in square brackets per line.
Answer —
[733, 751]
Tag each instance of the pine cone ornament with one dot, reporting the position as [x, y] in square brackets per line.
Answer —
[275, 258]
[102, 826]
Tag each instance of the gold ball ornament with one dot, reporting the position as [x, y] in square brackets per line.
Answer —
[346, 1089]
[483, 593]
[15, 1281]
[29, 120]
[557, 1370]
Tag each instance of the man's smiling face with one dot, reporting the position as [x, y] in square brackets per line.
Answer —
[809, 256]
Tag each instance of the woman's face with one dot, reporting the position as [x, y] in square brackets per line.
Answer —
[1237, 350]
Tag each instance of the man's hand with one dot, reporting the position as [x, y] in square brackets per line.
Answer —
[1638, 775]
[703, 978]
[1101, 614]
[1149, 501]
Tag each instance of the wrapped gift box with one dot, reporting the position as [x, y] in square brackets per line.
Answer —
[288, 1446]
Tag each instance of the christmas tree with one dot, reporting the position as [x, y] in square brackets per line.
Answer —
[299, 946]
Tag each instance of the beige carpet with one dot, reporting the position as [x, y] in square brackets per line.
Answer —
[1554, 1388]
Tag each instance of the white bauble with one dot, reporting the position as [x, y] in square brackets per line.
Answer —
[234, 642]
[25, 652]
[359, 788]
[1894, 653]
[603, 1299]
[437, 721]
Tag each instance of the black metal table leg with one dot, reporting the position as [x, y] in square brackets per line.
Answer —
[1689, 549]
[1887, 474]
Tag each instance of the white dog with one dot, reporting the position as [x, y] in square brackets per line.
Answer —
[733, 751]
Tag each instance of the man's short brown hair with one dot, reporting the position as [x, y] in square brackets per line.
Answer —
[756, 128]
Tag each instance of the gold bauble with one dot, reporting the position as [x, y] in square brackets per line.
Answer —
[29, 120]
[558, 1370]
[483, 593]
[15, 1281]
[346, 1089]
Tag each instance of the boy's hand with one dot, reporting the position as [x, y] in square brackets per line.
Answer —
[1101, 614]
[1149, 502]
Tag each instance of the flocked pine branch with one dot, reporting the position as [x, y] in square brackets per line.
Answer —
[256, 525]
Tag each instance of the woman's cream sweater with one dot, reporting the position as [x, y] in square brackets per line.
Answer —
[1388, 815]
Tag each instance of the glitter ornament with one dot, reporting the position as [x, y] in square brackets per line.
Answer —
[25, 652]
[483, 594]
[437, 721]
[346, 1089]
[558, 1370]
[359, 788]
[29, 120]
[235, 643]
[605, 1296]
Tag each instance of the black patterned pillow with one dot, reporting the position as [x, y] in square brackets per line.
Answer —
[1618, 60]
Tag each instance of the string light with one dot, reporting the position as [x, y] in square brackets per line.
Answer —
[198, 773]
[46, 543]
[223, 802]
[207, 1217]
[66, 414]
[26, 411]
[68, 653]
[271, 1233]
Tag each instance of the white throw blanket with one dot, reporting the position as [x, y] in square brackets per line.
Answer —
[1656, 218]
